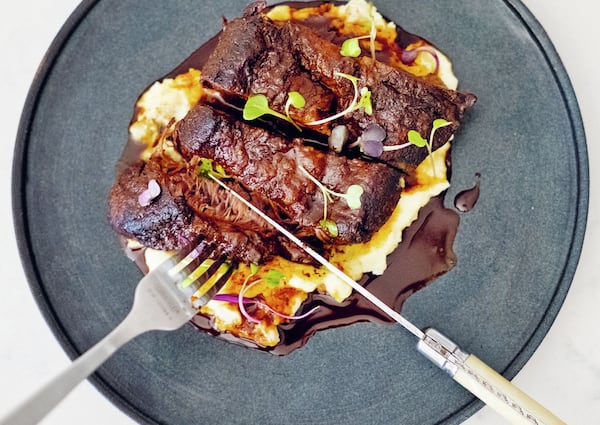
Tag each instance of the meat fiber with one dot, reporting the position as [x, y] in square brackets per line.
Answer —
[190, 207]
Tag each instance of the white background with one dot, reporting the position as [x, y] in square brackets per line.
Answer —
[563, 374]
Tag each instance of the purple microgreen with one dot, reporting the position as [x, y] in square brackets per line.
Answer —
[371, 140]
[337, 139]
[274, 278]
[408, 57]
[373, 148]
[374, 132]
[285, 316]
[153, 190]
[207, 167]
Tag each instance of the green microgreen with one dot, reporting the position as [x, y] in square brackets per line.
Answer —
[330, 226]
[208, 167]
[257, 105]
[254, 268]
[364, 102]
[352, 197]
[351, 47]
[437, 123]
[294, 99]
[274, 278]
[414, 138]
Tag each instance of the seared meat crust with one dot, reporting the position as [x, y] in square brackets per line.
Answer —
[270, 165]
[164, 224]
[189, 208]
[276, 58]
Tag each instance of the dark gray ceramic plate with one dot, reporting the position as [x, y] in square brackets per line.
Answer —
[517, 249]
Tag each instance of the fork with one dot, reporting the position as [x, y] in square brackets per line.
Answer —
[165, 299]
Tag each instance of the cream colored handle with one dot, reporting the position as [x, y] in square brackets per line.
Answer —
[502, 396]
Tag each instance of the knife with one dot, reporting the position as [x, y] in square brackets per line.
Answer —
[465, 368]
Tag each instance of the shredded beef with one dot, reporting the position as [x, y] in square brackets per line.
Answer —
[189, 208]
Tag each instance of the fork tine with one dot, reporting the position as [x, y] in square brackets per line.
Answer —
[199, 273]
[189, 262]
[179, 258]
[211, 281]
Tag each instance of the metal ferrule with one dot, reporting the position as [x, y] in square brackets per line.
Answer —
[441, 350]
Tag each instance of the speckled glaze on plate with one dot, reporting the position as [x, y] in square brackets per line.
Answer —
[517, 250]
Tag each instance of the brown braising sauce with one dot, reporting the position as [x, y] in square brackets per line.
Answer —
[466, 199]
[424, 253]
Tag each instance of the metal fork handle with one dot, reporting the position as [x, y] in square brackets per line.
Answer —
[32, 410]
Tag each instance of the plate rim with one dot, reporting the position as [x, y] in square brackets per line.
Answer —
[568, 96]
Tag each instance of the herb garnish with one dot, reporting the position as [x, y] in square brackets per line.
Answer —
[416, 139]
[363, 102]
[274, 278]
[351, 46]
[207, 167]
[408, 57]
[371, 141]
[257, 105]
[146, 197]
[352, 197]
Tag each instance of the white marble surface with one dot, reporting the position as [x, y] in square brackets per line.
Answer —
[563, 374]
